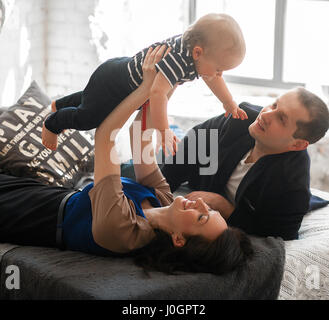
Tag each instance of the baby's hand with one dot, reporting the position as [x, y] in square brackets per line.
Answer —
[237, 112]
[168, 140]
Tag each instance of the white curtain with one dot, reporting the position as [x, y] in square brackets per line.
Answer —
[2, 14]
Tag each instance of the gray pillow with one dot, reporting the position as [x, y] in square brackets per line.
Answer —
[22, 153]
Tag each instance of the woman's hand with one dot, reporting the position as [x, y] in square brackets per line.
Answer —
[152, 57]
[213, 200]
[168, 141]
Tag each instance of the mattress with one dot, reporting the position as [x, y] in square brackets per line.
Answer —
[299, 270]
[306, 271]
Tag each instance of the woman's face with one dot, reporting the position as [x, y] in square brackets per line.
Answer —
[191, 218]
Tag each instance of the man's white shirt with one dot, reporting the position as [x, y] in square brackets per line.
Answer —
[236, 177]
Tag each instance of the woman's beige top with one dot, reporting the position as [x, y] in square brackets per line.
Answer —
[115, 225]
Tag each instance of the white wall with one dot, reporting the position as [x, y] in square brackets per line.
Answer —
[71, 55]
[48, 41]
[22, 49]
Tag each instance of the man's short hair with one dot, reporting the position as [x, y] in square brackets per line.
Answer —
[316, 128]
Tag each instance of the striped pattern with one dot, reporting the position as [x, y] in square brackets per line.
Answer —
[177, 66]
[306, 272]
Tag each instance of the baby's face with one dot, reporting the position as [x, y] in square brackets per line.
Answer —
[209, 66]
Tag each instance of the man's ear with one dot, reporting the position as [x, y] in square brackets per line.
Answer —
[178, 240]
[300, 144]
[197, 52]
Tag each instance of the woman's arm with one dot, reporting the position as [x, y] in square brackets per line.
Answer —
[159, 95]
[106, 160]
[171, 92]
[158, 102]
[142, 149]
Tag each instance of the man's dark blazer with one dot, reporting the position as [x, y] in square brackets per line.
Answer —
[273, 196]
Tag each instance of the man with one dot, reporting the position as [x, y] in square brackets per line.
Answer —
[262, 181]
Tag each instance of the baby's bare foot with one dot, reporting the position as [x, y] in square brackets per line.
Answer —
[49, 139]
[53, 106]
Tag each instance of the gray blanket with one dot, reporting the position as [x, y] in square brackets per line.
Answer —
[47, 273]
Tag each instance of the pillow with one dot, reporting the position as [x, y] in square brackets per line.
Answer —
[22, 153]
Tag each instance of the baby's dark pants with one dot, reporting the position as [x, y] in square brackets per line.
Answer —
[85, 110]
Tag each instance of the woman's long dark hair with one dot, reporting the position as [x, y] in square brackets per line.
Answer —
[229, 251]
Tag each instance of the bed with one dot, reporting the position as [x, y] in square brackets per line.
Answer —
[279, 269]
[306, 271]
[284, 270]
[306, 265]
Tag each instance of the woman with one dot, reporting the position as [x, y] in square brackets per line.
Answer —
[118, 215]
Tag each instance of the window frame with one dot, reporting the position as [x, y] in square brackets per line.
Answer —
[278, 63]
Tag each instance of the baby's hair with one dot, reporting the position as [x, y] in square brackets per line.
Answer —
[216, 31]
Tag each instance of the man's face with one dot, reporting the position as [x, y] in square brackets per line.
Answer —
[275, 125]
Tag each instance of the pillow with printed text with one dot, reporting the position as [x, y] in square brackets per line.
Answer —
[22, 153]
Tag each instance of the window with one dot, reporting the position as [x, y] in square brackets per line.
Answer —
[306, 54]
[286, 40]
[122, 28]
[258, 29]
[283, 50]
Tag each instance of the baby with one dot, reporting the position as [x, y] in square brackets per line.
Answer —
[213, 44]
